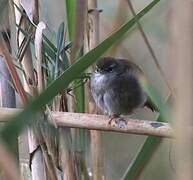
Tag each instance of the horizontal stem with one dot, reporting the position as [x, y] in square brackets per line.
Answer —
[101, 122]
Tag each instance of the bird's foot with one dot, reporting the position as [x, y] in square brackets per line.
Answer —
[112, 118]
[117, 121]
[121, 122]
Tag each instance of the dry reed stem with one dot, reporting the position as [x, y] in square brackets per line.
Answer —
[182, 66]
[39, 54]
[100, 122]
[66, 154]
[96, 141]
[7, 95]
[79, 29]
[35, 11]
[37, 162]
[8, 164]
[44, 134]
[73, 158]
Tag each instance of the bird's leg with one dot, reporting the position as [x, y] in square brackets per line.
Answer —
[112, 117]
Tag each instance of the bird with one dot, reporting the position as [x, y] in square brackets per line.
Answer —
[116, 89]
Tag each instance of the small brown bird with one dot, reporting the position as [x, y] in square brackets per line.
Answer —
[116, 88]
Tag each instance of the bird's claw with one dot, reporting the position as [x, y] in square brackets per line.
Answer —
[119, 122]
[113, 117]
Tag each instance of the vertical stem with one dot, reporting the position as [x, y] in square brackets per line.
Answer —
[7, 98]
[97, 155]
[7, 93]
[38, 165]
[8, 166]
[48, 149]
[91, 42]
[39, 55]
[182, 53]
[35, 11]
[93, 23]
[76, 34]
[66, 154]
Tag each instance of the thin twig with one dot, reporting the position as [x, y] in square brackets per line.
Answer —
[145, 38]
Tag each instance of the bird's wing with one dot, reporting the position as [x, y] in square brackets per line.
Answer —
[149, 104]
[134, 69]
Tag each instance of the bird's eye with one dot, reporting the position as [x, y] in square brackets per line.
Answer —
[97, 70]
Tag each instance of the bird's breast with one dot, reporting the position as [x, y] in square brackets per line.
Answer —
[99, 81]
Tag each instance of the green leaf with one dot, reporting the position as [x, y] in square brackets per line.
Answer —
[146, 151]
[60, 42]
[60, 36]
[65, 60]
[142, 158]
[13, 127]
[49, 44]
[79, 92]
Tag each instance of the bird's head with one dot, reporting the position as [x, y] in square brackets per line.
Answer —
[107, 65]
